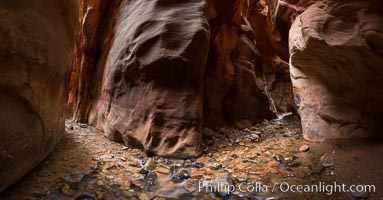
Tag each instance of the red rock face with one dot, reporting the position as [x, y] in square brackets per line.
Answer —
[336, 59]
[152, 73]
[34, 71]
[151, 86]
[151, 93]
[234, 86]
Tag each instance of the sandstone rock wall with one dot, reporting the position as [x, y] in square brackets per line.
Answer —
[36, 42]
[336, 69]
[234, 86]
[152, 83]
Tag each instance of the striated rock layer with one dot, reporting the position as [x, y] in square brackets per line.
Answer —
[336, 69]
[152, 83]
[36, 40]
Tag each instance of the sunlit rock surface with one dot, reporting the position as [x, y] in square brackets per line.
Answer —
[336, 69]
[36, 40]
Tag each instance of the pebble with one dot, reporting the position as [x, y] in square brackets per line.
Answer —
[197, 165]
[278, 158]
[180, 176]
[216, 166]
[304, 148]
[187, 163]
[177, 179]
[82, 125]
[162, 170]
[139, 183]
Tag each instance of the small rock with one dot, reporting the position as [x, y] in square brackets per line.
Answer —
[234, 155]
[278, 158]
[162, 170]
[184, 174]
[187, 163]
[125, 148]
[139, 183]
[177, 179]
[82, 125]
[197, 165]
[289, 159]
[216, 166]
[304, 148]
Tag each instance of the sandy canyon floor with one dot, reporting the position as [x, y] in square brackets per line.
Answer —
[261, 162]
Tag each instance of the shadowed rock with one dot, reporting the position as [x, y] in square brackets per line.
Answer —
[36, 39]
[336, 69]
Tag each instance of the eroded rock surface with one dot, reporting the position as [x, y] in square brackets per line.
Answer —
[234, 86]
[36, 40]
[151, 93]
[336, 69]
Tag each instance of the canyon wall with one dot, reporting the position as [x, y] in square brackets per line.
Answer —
[180, 65]
[336, 68]
[153, 73]
[151, 92]
[36, 42]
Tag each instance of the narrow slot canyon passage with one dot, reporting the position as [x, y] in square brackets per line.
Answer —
[191, 99]
[85, 165]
